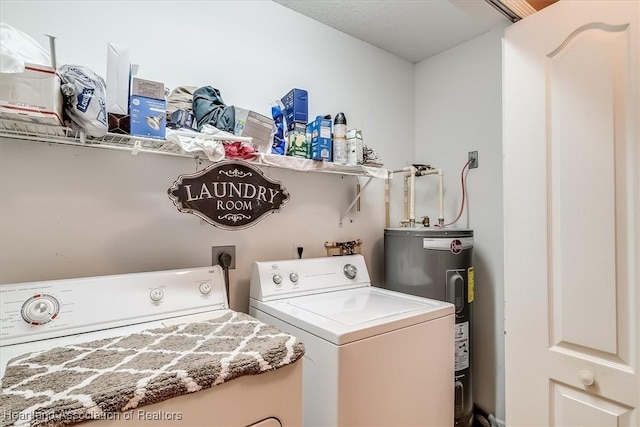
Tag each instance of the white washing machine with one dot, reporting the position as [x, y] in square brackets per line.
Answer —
[65, 343]
[373, 357]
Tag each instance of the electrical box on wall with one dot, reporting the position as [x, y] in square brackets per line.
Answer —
[473, 159]
[216, 251]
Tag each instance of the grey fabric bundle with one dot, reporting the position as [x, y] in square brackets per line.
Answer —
[209, 108]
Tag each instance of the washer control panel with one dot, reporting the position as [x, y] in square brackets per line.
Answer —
[286, 278]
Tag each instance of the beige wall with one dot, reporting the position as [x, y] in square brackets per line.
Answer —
[459, 109]
[71, 212]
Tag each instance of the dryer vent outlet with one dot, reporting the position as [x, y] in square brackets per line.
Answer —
[216, 251]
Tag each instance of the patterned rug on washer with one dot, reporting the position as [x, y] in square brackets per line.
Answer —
[68, 385]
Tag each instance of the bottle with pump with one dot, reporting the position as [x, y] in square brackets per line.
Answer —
[340, 139]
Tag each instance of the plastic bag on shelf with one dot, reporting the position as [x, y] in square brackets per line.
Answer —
[85, 95]
[235, 147]
[191, 142]
[181, 98]
[279, 144]
[371, 157]
[18, 48]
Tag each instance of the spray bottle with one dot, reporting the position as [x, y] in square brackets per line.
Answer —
[340, 139]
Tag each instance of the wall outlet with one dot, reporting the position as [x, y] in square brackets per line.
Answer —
[217, 250]
[473, 156]
[297, 245]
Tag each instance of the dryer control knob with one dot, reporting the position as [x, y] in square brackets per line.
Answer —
[40, 309]
[205, 288]
[350, 271]
[277, 279]
[293, 277]
[156, 294]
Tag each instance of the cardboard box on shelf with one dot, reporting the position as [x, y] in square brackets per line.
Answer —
[118, 79]
[298, 128]
[182, 119]
[119, 123]
[33, 95]
[147, 88]
[297, 145]
[296, 107]
[148, 109]
[319, 132]
[254, 125]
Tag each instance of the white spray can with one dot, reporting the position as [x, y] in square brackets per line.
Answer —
[340, 139]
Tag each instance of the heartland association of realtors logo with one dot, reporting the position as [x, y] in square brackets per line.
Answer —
[230, 194]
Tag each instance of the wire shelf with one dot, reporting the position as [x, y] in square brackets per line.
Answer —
[46, 133]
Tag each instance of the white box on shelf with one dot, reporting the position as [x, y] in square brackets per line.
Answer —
[33, 95]
[118, 79]
[255, 125]
[148, 109]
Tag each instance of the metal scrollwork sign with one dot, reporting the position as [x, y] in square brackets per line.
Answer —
[231, 194]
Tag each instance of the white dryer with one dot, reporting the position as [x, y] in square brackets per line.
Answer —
[373, 357]
[99, 348]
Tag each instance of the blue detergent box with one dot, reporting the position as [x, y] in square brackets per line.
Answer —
[319, 132]
[296, 107]
[147, 109]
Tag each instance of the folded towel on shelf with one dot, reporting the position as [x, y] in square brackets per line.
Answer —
[195, 141]
[213, 142]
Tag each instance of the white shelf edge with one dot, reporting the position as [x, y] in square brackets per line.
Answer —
[43, 133]
[307, 165]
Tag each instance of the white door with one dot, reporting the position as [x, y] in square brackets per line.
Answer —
[572, 215]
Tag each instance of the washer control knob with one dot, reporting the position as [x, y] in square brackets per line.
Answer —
[350, 271]
[40, 309]
[277, 279]
[294, 278]
[205, 288]
[156, 294]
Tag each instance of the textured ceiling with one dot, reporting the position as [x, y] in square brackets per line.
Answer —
[411, 29]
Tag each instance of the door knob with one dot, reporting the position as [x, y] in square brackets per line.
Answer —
[586, 377]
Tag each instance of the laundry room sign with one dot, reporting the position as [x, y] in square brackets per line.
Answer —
[230, 194]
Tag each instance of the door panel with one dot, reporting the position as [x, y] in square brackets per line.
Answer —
[572, 216]
[586, 112]
[614, 381]
[572, 407]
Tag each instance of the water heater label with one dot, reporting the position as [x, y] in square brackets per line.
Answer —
[455, 245]
[462, 346]
[471, 278]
